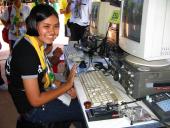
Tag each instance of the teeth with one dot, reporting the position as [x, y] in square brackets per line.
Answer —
[51, 38]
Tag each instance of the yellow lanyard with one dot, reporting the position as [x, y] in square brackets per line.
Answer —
[40, 52]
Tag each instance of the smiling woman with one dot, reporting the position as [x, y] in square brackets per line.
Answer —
[31, 78]
[48, 32]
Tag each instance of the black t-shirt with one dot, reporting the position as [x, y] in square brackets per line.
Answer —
[24, 64]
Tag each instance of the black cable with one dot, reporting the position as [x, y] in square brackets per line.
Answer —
[136, 100]
[125, 103]
[108, 66]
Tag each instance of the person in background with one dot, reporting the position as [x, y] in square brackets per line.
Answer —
[80, 18]
[17, 28]
[39, 2]
[54, 4]
[55, 57]
[34, 90]
[65, 9]
[1, 79]
[2, 82]
[1, 7]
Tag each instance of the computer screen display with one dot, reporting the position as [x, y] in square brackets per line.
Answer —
[132, 19]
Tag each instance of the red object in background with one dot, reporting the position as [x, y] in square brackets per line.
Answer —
[55, 67]
[5, 30]
[5, 34]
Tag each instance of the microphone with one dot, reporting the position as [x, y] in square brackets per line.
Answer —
[79, 47]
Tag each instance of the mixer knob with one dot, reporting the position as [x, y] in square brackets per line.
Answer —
[129, 72]
[117, 76]
[130, 92]
[132, 75]
[131, 85]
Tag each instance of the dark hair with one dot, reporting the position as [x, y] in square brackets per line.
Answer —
[38, 13]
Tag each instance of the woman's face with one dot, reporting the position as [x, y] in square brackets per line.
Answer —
[48, 29]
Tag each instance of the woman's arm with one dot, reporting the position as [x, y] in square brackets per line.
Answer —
[4, 22]
[67, 9]
[36, 98]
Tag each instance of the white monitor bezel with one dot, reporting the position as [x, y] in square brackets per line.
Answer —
[149, 47]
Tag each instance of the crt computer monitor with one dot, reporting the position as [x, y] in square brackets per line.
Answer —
[145, 28]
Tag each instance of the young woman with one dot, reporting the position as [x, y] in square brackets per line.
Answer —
[31, 77]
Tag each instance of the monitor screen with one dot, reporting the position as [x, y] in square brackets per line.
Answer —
[132, 19]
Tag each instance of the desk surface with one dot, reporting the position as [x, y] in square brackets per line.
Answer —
[109, 123]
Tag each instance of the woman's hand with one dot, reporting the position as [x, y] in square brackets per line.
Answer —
[57, 52]
[72, 93]
[57, 83]
[72, 74]
[55, 59]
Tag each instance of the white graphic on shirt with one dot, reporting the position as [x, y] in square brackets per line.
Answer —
[40, 69]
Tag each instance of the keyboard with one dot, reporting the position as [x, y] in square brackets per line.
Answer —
[99, 91]
[71, 53]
